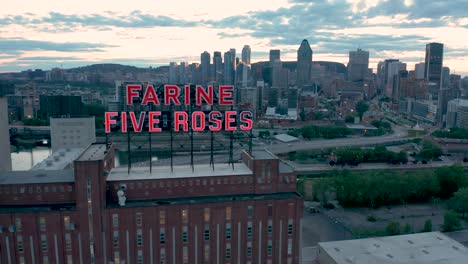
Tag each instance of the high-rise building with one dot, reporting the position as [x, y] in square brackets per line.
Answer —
[5, 156]
[246, 54]
[275, 54]
[445, 77]
[419, 69]
[248, 212]
[60, 106]
[433, 67]
[218, 67]
[173, 73]
[304, 63]
[243, 75]
[182, 71]
[457, 114]
[228, 69]
[358, 65]
[205, 67]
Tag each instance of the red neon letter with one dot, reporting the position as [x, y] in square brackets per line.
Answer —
[215, 119]
[131, 92]
[207, 96]
[137, 127]
[246, 117]
[153, 120]
[178, 121]
[225, 95]
[229, 119]
[198, 126]
[108, 121]
[187, 94]
[150, 96]
[123, 121]
[171, 92]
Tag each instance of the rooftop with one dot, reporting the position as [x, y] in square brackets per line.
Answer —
[37, 176]
[59, 160]
[285, 138]
[263, 155]
[427, 248]
[93, 152]
[180, 171]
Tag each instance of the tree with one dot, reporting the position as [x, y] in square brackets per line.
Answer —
[393, 228]
[430, 150]
[427, 226]
[451, 221]
[349, 119]
[451, 178]
[407, 229]
[459, 201]
[361, 108]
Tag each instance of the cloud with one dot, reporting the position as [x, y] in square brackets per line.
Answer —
[18, 45]
[45, 58]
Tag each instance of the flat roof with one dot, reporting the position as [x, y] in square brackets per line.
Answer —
[93, 152]
[427, 248]
[263, 155]
[285, 168]
[37, 176]
[59, 160]
[179, 171]
[285, 138]
[361, 126]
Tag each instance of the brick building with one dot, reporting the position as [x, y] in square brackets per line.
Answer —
[248, 212]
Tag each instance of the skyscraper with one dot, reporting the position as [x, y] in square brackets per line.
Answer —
[433, 67]
[358, 65]
[218, 66]
[274, 55]
[246, 54]
[228, 68]
[419, 70]
[5, 156]
[173, 73]
[304, 63]
[205, 67]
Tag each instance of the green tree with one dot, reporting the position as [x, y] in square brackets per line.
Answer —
[459, 201]
[451, 221]
[393, 228]
[451, 178]
[361, 108]
[349, 119]
[407, 229]
[430, 150]
[427, 226]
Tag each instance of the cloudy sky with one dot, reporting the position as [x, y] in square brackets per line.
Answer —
[54, 33]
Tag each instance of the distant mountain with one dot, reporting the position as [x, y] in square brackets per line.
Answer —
[113, 67]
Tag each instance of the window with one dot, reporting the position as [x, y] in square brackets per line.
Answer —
[44, 245]
[207, 232]
[185, 258]
[228, 231]
[184, 216]
[249, 211]
[249, 229]
[139, 219]
[228, 213]
[206, 252]
[115, 240]
[66, 222]
[18, 224]
[42, 224]
[139, 238]
[140, 256]
[115, 220]
[289, 246]
[290, 227]
[270, 248]
[69, 259]
[249, 249]
[270, 227]
[228, 251]
[162, 256]
[20, 244]
[206, 215]
[185, 234]
[68, 242]
[162, 236]
[116, 258]
[270, 210]
[162, 217]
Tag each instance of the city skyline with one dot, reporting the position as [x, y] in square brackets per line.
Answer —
[47, 34]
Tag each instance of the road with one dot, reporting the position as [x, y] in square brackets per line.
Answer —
[398, 136]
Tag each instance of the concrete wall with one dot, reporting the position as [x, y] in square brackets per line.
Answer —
[5, 157]
[72, 132]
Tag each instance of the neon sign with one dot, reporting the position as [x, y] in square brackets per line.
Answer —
[182, 120]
